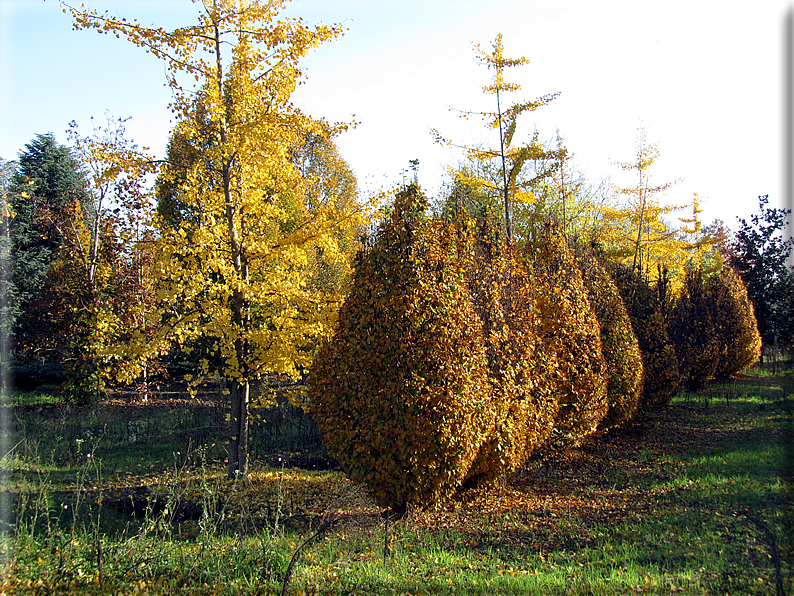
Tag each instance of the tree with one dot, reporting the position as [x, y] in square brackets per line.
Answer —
[49, 196]
[560, 194]
[737, 331]
[511, 158]
[635, 233]
[619, 344]
[48, 182]
[570, 330]
[108, 253]
[330, 185]
[759, 254]
[237, 272]
[400, 392]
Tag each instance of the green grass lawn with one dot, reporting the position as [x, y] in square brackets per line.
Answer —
[694, 498]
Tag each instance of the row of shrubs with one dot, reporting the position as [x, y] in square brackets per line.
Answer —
[457, 356]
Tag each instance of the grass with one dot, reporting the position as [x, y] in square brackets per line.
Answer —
[694, 498]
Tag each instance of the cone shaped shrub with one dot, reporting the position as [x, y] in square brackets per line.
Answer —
[569, 328]
[524, 407]
[619, 344]
[737, 330]
[693, 331]
[400, 393]
[660, 365]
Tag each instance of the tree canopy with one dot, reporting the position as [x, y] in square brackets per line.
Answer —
[236, 270]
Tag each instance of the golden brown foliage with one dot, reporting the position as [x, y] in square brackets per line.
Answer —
[569, 328]
[619, 344]
[400, 393]
[737, 330]
[659, 362]
[524, 408]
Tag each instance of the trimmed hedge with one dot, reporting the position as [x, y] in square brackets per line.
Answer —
[569, 329]
[400, 394]
[524, 405]
[619, 344]
[659, 362]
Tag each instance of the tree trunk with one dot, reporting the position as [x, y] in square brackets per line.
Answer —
[238, 429]
[234, 429]
[242, 444]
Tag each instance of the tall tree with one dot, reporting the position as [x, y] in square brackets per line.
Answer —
[50, 196]
[634, 233]
[510, 157]
[561, 194]
[49, 180]
[759, 252]
[237, 272]
[105, 252]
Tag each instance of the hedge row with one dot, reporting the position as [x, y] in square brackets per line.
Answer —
[457, 356]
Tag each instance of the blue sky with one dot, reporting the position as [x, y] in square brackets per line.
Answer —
[704, 78]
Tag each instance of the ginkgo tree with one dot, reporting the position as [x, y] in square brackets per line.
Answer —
[635, 233]
[510, 156]
[237, 272]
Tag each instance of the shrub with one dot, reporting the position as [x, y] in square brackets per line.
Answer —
[693, 331]
[524, 408]
[660, 365]
[400, 393]
[569, 329]
[738, 340]
[619, 344]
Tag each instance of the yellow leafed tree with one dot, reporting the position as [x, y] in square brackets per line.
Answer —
[635, 233]
[238, 271]
[511, 187]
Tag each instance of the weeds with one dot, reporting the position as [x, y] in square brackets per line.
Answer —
[692, 499]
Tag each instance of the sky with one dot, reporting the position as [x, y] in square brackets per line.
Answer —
[706, 79]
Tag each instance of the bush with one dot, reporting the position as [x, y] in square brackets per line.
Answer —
[619, 344]
[738, 340]
[524, 407]
[569, 330]
[660, 365]
[400, 393]
[693, 331]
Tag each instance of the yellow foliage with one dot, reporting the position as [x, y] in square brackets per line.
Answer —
[618, 342]
[400, 392]
[569, 329]
[238, 272]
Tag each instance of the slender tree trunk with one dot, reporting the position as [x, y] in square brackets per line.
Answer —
[242, 444]
[238, 429]
[239, 387]
[508, 229]
[234, 429]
